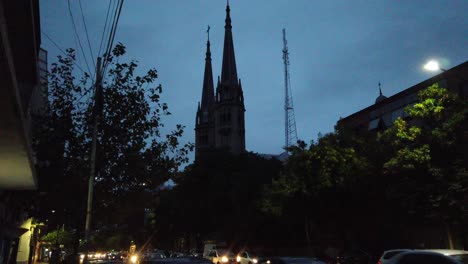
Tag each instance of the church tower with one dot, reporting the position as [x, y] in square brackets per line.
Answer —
[204, 124]
[220, 117]
[229, 107]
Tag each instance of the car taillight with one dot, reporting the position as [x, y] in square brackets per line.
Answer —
[379, 262]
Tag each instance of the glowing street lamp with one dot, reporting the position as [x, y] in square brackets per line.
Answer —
[433, 65]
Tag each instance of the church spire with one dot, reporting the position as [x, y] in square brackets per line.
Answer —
[208, 87]
[228, 71]
[381, 97]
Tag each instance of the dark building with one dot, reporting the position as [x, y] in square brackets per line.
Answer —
[386, 110]
[220, 115]
[20, 40]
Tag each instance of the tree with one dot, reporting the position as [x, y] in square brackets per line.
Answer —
[59, 237]
[134, 156]
[317, 184]
[217, 198]
[429, 165]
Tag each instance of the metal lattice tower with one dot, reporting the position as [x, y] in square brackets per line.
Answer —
[290, 132]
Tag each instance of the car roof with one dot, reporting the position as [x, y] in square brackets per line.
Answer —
[399, 249]
[447, 252]
[419, 252]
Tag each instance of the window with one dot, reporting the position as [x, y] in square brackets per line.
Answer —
[400, 112]
[391, 254]
[373, 124]
[225, 116]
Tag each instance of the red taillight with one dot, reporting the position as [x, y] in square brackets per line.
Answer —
[379, 262]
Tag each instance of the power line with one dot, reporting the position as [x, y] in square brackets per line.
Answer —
[86, 30]
[77, 36]
[64, 53]
[110, 42]
[112, 32]
[105, 26]
[85, 93]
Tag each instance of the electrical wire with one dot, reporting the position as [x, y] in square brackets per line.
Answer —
[87, 35]
[77, 36]
[86, 92]
[105, 27]
[64, 53]
[110, 42]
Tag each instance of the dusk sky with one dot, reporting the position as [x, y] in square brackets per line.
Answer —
[339, 52]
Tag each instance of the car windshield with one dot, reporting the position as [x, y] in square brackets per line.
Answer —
[463, 258]
[391, 254]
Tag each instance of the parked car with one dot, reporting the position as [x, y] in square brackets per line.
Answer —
[430, 256]
[178, 255]
[195, 253]
[221, 256]
[157, 254]
[389, 254]
[245, 257]
[459, 255]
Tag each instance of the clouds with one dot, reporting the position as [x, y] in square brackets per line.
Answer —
[339, 51]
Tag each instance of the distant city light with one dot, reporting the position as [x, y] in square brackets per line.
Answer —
[432, 65]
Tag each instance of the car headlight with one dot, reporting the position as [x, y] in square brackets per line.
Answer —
[133, 259]
[255, 260]
[268, 262]
[238, 258]
[82, 256]
[224, 259]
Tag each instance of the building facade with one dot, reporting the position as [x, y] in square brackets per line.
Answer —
[20, 41]
[220, 121]
[386, 110]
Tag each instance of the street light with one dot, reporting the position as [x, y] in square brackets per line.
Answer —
[433, 65]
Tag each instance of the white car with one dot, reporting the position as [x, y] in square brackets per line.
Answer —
[220, 256]
[430, 256]
[245, 257]
[459, 255]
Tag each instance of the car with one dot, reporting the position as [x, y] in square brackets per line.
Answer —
[178, 255]
[221, 256]
[291, 260]
[459, 255]
[245, 257]
[389, 254]
[197, 254]
[156, 255]
[430, 256]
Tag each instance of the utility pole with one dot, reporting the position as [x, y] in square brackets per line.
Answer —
[290, 132]
[97, 110]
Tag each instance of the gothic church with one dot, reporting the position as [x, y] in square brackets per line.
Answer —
[220, 115]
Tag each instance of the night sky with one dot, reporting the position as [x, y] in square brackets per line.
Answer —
[339, 52]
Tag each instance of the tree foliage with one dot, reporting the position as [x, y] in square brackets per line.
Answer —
[135, 153]
[429, 156]
[216, 198]
[354, 188]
